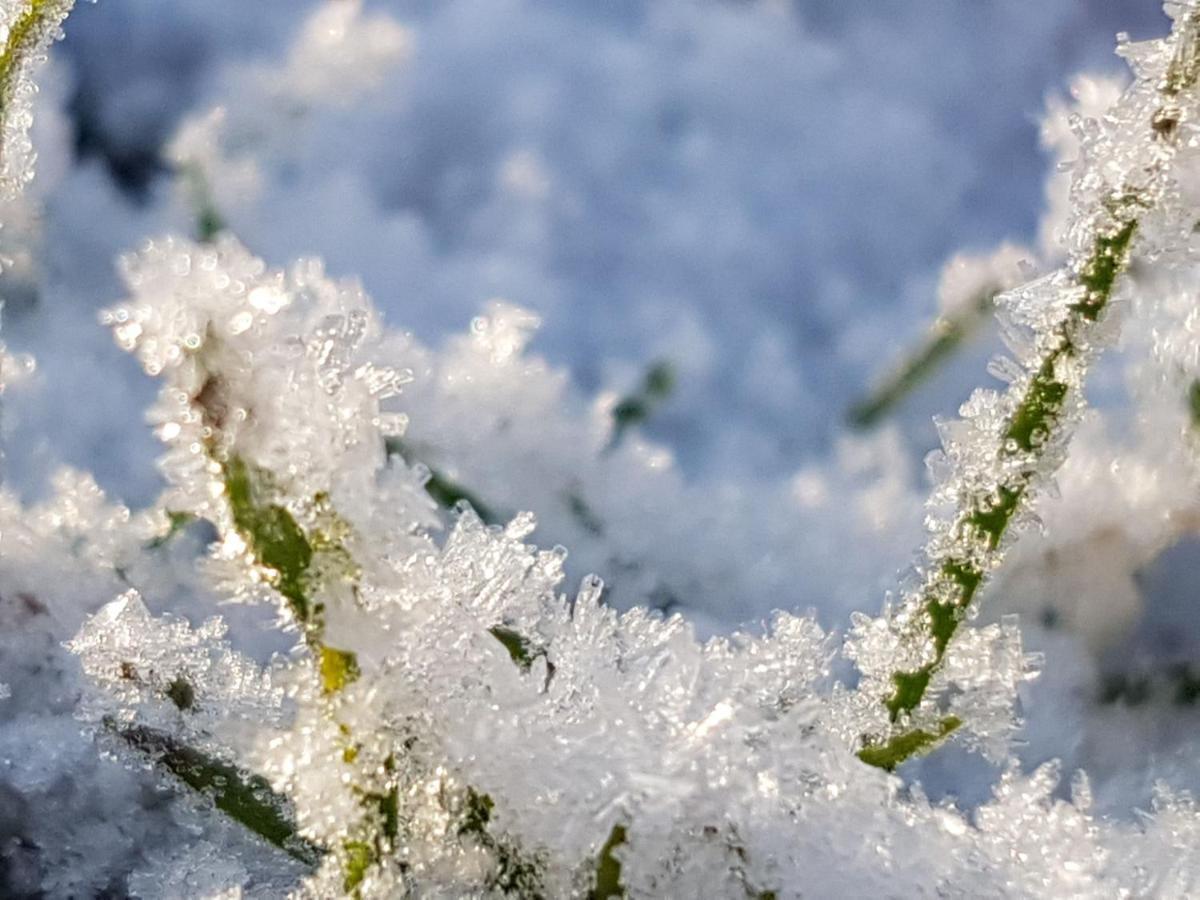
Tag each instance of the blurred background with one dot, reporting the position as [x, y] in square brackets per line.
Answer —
[761, 194]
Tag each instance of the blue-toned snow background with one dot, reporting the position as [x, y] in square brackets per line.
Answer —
[761, 194]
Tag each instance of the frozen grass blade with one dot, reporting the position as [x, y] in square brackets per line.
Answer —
[993, 486]
[637, 407]
[31, 28]
[247, 799]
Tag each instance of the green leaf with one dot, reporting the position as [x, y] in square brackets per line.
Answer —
[608, 868]
[993, 521]
[515, 875]
[243, 797]
[359, 857]
[910, 688]
[1040, 408]
[182, 694]
[518, 647]
[272, 533]
[1110, 255]
[889, 755]
[477, 814]
[389, 810]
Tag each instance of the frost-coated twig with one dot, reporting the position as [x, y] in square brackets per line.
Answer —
[1010, 444]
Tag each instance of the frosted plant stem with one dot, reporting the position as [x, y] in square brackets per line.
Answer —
[279, 544]
[28, 32]
[1043, 405]
[294, 556]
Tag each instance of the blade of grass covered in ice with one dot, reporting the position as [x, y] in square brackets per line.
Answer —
[993, 485]
[34, 25]
[952, 584]
[445, 491]
[30, 32]
[281, 545]
[245, 798]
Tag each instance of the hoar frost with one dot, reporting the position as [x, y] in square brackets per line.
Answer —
[1007, 444]
[433, 714]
